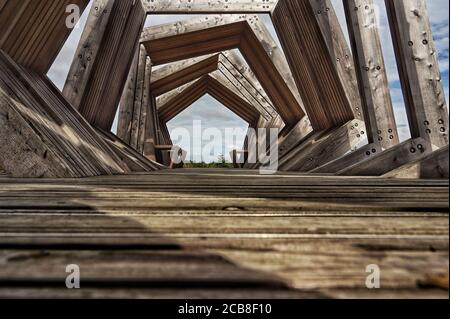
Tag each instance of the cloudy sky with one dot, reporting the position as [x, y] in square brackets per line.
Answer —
[214, 115]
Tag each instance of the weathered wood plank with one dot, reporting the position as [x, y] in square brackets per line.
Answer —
[419, 71]
[434, 166]
[340, 52]
[314, 72]
[33, 32]
[371, 70]
[390, 159]
[208, 7]
[104, 82]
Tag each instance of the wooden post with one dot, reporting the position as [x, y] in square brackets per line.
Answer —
[419, 71]
[373, 82]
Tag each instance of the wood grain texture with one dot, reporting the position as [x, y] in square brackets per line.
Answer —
[208, 7]
[53, 130]
[371, 70]
[244, 244]
[433, 166]
[101, 86]
[33, 32]
[314, 71]
[419, 71]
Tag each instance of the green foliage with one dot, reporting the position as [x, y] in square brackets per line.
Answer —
[221, 163]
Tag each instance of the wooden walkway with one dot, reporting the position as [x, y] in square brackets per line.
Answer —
[224, 234]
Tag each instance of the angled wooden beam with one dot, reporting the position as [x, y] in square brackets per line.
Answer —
[371, 69]
[313, 69]
[32, 33]
[361, 154]
[224, 74]
[181, 101]
[211, 86]
[42, 135]
[419, 71]
[166, 97]
[184, 73]
[340, 51]
[391, 159]
[197, 37]
[180, 73]
[208, 7]
[433, 166]
[87, 51]
[101, 85]
[322, 147]
[126, 108]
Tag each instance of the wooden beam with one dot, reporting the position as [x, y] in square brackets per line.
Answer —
[208, 7]
[340, 51]
[183, 73]
[354, 157]
[127, 103]
[208, 85]
[196, 37]
[313, 68]
[138, 98]
[102, 84]
[433, 166]
[225, 73]
[183, 100]
[32, 33]
[419, 70]
[322, 147]
[44, 127]
[371, 69]
[87, 51]
[391, 159]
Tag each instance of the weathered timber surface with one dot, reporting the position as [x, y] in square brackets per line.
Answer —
[42, 134]
[140, 236]
[419, 71]
[98, 74]
[371, 70]
[434, 166]
[33, 32]
[205, 7]
[314, 70]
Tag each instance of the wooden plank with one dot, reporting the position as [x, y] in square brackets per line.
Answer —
[111, 65]
[314, 72]
[323, 147]
[419, 71]
[183, 73]
[354, 157]
[371, 70]
[432, 166]
[138, 98]
[208, 7]
[64, 131]
[87, 51]
[33, 33]
[340, 52]
[390, 159]
[126, 109]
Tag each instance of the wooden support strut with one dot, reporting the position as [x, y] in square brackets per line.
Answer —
[419, 71]
[373, 82]
[98, 87]
[313, 69]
